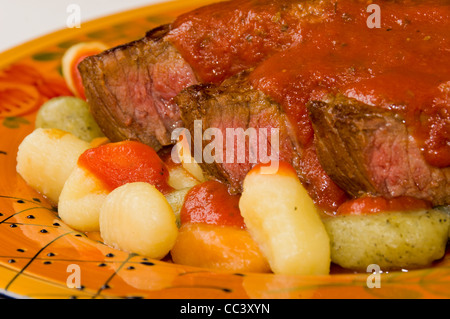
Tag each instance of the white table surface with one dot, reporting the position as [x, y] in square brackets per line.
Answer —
[24, 20]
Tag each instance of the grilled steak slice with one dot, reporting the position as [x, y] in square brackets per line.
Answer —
[236, 105]
[130, 89]
[368, 150]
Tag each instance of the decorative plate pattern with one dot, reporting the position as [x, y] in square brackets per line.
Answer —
[38, 252]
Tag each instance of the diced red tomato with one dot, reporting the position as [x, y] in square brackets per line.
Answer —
[211, 203]
[116, 164]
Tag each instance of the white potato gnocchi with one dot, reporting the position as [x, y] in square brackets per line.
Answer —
[282, 219]
[81, 199]
[46, 158]
[176, 201]
[194, 169]
[182, 152]
[179, 178]
[392, 240]
[137, 218]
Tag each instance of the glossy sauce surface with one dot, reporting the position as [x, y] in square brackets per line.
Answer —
[210, 203]
[225, 38]
[116, 164]
[373, 205]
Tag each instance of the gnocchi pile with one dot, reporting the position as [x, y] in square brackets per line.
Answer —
[134, 217]
[142, 202]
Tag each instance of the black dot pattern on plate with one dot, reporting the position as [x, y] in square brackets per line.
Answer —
[28, 217]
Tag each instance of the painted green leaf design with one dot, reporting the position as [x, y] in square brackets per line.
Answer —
[97, 34]
[67, 44]
[121, 26]
[14, 122]
[159, 19]
[59, 70]
[46, 56]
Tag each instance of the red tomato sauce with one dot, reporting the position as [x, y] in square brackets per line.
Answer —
[373, 205]
[211, 203]
[225, 38]
[282, 168]
[116, 164]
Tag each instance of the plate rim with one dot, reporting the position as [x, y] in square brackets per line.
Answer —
[23, 50]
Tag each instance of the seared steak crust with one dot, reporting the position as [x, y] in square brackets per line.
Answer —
[368, 150]
[130, 89]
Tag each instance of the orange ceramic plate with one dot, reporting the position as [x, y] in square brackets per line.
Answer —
[39, 253]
